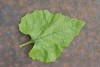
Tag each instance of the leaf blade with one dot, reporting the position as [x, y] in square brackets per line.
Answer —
[50, 33]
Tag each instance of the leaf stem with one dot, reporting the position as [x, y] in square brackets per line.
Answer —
[27, 43]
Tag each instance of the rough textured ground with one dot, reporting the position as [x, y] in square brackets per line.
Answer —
[84, 50]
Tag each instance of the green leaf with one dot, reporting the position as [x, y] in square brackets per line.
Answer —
[50, 33]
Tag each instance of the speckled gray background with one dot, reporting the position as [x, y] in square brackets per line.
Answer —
[84, 50]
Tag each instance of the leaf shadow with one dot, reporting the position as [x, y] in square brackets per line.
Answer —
[27, 48]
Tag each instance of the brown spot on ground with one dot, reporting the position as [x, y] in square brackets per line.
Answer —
[91, 8]
[66, 65]
[22, 2]
[11, 3]
[84, 12]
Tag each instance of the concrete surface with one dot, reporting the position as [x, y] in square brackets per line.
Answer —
[84, 50]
